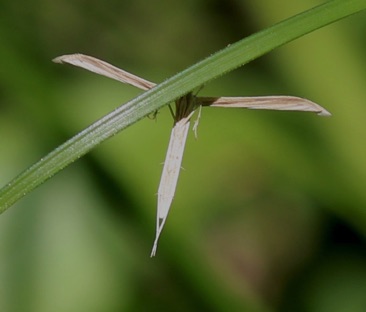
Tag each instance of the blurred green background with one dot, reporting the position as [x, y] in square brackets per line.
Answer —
[270, 211]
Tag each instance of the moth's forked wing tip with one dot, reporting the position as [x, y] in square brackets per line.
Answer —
[153, 252]
[155, 246]
[66, 58]
[57, 60]
[323, 112]
[316, 108]
[61, 59]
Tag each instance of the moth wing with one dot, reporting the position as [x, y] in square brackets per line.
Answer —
[105, 69]
[285, 103]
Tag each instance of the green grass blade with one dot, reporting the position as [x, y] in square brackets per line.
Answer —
[212, 67]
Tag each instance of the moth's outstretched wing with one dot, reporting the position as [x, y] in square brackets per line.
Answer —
[103, 68]
[286, 103]
[169, 177]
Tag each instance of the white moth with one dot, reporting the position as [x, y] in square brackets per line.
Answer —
[185, 107]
